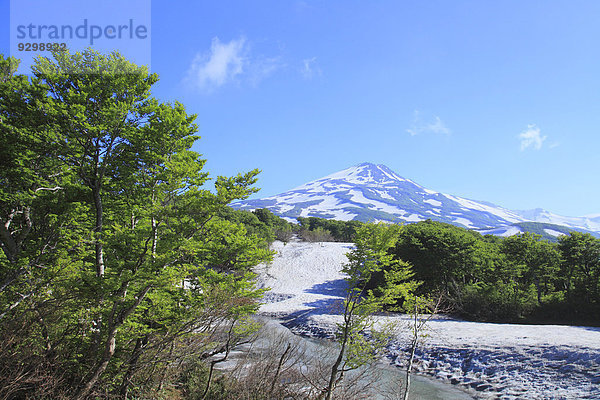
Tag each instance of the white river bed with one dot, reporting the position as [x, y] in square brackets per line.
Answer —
[490, 361]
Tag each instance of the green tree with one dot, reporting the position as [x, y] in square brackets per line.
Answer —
[580, 267]
[124, 254]
[530, 261]
[369, 256]
[252, 224]
[280, 228]
[442, 255]
[341, 231]
[30, 176]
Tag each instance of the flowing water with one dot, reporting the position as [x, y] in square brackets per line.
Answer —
[383, 382]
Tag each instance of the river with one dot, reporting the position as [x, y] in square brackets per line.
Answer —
[385, 382]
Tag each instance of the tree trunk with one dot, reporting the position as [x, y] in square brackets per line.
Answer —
[338, 361]
[539, 290]
[413, 348]
[215, 362]
[11, 242]
[109, 351]
[98, 230]
[116, 320]
[278, 371]
[133, 360]
[409, 369]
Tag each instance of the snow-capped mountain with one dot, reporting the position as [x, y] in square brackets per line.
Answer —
[590, 222]
[370, 192]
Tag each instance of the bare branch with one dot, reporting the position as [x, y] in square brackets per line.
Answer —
[54, 189]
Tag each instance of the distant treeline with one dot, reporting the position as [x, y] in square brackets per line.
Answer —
[268, 226]
[327, 229]
[261, 223]
[520, 278]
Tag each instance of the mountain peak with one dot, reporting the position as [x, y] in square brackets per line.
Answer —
[373, 192]
[367, 173]
[371, 165]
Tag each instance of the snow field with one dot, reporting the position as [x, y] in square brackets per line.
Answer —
[505, 361]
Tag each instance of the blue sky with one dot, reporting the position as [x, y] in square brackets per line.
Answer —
[495, 101]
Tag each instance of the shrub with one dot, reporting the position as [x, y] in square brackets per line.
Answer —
[317, 235]
[497, 302]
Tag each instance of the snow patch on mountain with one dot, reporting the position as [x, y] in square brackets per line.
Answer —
[373, 192]
[541, 215]
[503, 231]
[433, 202]
[552, 232]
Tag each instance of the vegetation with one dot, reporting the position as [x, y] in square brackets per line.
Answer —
[369, 256]
[260, 222]
[518, 278]
[315, 229]
[116, 260]
[521, 278]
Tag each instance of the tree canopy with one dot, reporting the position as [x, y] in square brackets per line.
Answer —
[114, 250]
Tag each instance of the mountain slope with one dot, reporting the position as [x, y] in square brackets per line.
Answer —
[590, 223]
[547, 231]
[370, 192]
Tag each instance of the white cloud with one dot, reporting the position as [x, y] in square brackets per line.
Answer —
[229, 62]
[531, 137]
[310, 68]
[222, 64]
[427, 124]
[260, 68]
